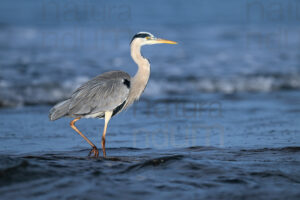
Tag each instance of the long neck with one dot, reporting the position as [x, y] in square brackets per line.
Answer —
[140, 80]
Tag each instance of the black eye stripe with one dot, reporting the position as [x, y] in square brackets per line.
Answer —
[140, 35]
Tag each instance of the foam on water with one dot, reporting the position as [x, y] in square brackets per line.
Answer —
[45, 91]
[214, 59]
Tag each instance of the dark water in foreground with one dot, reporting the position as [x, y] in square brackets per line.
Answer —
[186, 173]
[231, 147]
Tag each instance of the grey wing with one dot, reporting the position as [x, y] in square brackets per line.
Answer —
[103, 93]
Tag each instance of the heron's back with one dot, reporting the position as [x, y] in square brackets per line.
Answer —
[105, 92]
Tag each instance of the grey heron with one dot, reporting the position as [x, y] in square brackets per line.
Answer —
[109, 93]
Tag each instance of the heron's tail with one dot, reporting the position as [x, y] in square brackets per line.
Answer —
[59, 110]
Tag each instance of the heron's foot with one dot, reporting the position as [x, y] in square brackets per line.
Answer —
[94, 152]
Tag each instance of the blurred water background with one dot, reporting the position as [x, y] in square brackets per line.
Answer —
[219, 118]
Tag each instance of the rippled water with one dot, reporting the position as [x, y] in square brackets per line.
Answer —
[239, 147]
[189, 173]
[219, 118]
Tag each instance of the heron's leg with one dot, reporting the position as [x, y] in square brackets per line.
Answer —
[94, 150]
[107, 117]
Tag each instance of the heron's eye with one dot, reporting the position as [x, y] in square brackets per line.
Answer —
[148, 38]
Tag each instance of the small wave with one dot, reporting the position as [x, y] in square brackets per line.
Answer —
[277, 173]
[291, 149]
[232, 180]
[155, 162]
[20, 170]
[201, 148]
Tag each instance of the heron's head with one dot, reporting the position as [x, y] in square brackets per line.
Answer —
[145, 38]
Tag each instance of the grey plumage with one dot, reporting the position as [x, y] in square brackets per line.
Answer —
[59, 110]
[102, 93]
[109, 93]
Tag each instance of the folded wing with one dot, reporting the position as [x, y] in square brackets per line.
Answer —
[103, 93]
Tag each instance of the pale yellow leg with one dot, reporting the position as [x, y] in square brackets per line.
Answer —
[107, 117]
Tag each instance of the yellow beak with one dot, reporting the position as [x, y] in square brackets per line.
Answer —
[159, 40]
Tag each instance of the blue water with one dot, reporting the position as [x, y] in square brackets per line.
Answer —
[183, 147]
[51, 47]
[219, 118]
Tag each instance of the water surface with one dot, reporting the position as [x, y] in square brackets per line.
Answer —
[219, 118]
